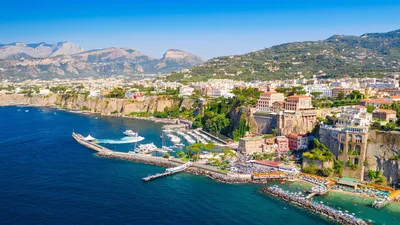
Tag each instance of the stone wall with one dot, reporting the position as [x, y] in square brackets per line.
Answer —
[265, 123]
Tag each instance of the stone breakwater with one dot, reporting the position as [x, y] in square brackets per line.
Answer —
[320, 209]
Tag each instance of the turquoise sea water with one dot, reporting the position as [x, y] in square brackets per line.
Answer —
[47, 178]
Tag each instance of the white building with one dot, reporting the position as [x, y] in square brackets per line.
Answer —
[354, 116]
[44, 92]
[324, 89]
[185, 91]
[94, 93]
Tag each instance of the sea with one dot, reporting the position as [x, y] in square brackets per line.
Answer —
[46, 177]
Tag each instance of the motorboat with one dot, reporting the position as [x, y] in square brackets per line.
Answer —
[179, 145]
[174, 139]
[169, 149]
[130, 133]
[146, 148]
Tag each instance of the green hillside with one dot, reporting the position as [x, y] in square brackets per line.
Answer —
[367, 55]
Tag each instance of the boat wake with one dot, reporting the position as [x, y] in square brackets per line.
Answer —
[124, 140]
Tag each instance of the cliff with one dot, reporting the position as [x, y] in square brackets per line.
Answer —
[383, 145]
[104, 106]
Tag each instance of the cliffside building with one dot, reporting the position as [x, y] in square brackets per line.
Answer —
[267, 99]
[298, 102]
[354, 116]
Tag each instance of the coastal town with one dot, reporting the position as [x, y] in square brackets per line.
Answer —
[336, 134]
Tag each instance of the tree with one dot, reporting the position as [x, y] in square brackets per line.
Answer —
[316, 94]
[167, 155]
[341, 95]
[116, 93]
[180, 154]
[370, 108]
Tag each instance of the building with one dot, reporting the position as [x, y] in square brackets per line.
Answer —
[297, 141]
[94, 94]
[325, 90]
[257, 144]
[354, 116]
[44, 92]
[267, 99]
[283, 144]
[250, 145]
[185, 91]
[376, 102]
[385, 114]
[298, 102]
[348, 144]
[336, 91]
[395, 98]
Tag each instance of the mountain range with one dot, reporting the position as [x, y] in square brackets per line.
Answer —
[370, 54]
[66, 59]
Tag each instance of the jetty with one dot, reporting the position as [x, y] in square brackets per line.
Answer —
[168, 171]
[383, 201]
[320, 209]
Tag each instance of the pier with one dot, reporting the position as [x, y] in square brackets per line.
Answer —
[158, 175]
[169, 171]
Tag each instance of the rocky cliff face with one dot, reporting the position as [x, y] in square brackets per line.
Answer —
[103, 106]
[381, 146]
[68, 60]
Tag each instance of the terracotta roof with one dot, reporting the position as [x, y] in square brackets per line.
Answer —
[267, 163]
[298, 96]
[395, 97]
[386, 111]
[381, 100]
[293, 135]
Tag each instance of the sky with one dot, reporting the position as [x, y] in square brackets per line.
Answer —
[207, 28]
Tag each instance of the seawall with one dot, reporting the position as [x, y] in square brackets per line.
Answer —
[319, 209]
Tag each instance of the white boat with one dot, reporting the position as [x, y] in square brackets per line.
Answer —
[179, 145]
[174, 139]
[130, 133]
[187, 137]
[168, 149]
[146, 148]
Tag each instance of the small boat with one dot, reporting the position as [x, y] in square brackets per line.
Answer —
[179, 145]
[165, 148]
[130, 133]
[26, 110]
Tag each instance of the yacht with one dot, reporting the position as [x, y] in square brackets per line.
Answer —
[174, 139]
[146, 148]
[130, 133]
